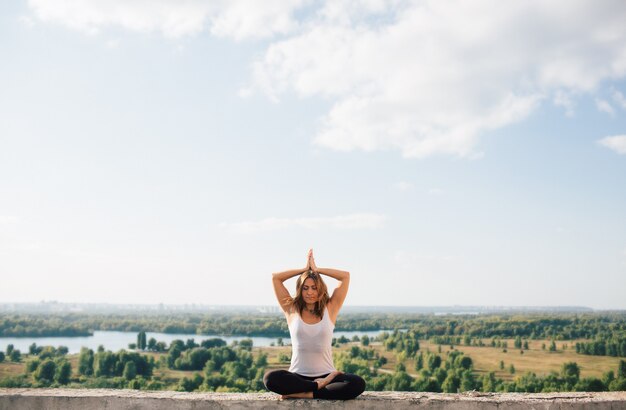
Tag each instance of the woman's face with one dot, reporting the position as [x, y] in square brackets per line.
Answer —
[309, 291]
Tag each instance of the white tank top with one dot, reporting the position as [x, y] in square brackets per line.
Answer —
[311, 346]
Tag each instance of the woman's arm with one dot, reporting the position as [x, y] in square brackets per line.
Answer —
[282, 294]
[340, 275]
[341, 291]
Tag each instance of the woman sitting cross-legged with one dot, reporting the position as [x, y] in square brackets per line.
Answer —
[311, 315]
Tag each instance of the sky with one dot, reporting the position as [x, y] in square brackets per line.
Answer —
[443, 152]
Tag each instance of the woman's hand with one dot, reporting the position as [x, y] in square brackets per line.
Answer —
[311, 262]
[308, 260]
[323, 382]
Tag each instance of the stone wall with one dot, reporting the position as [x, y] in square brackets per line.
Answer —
[88, 399]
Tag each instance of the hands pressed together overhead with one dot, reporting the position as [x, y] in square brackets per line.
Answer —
[310, 261]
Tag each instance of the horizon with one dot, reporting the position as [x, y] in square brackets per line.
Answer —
[442, 152]
[152, 306]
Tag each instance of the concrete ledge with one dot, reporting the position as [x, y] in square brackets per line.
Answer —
[90, 399]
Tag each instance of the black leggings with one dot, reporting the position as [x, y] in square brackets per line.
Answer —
[343, 387]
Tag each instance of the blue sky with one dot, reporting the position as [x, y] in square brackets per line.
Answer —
[181, 152]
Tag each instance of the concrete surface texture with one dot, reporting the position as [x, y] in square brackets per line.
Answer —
[88, 399]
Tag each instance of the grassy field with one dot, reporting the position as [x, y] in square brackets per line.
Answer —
[485, 359]
[541, 362]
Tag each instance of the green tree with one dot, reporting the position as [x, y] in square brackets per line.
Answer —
[468, 382]
[1, 357]
[233, 370]
[192, 384]
[621, 369]
[32, 349]
[209, 367]
[401, 381]
[451, 384]
[10, 348]
[198, 358]
[173, 354]
[489, 382]
[618, 385]
[430, 385]
[570, 372]
[512, 369]
[141, 340]
[440, 374]
[590, 384]
[246, 344]
[553, 346]
[85, 362]
[261, 360]
[15, 356]
[32, 365]
[104, 364]
[608, 377]
[419, 362]
[464, 362]
[45, 371]
[434, 361]
[130, 370]
[64, 372]
[365, 340]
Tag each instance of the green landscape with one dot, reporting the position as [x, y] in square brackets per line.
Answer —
[530, 352]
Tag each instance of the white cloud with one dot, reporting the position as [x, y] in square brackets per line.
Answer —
[563, 99]
[604, 106]
[430, 77]
[435, 191]
[238, 19]
[617, 143]
[422, 77]
[343, 222]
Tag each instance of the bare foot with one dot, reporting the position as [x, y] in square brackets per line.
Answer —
[323, 382]
[305, 395]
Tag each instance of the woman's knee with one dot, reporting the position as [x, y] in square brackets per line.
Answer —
[357, 384]
[271, 379]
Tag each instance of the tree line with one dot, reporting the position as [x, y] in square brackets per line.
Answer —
[564, 326]
[615, 347]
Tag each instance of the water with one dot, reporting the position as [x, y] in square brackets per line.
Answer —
[115, 341]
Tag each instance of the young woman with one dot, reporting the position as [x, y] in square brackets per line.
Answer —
[311, 315]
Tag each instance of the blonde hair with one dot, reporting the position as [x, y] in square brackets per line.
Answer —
[297, 302]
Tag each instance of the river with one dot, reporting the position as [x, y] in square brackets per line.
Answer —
[115, 341]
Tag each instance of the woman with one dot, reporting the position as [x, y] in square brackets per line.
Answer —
[311, 317]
